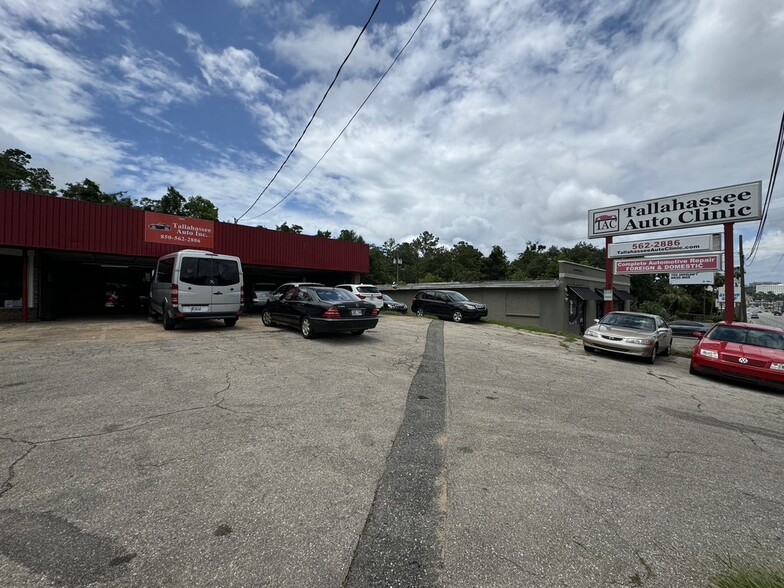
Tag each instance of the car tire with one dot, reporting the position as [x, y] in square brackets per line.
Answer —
[230, 322]
[266, 318]
[306, 327]
[692, 370]
[420, 312]
[457, 316]
[152, 316]
[358, 332]
[652, 358]
[168, 322]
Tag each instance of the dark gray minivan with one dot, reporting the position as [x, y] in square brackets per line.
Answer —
[196, 285]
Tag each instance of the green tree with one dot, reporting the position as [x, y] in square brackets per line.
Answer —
[537, 262]
[200, 207]
[285, 228]
[496, 264]
[350, 235]
[90, 191]
[324, 234]
[464, 263]
[16, 174]
[172, 202]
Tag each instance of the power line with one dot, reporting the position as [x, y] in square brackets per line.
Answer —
[313, 116]
[769, 195]
[350, 120]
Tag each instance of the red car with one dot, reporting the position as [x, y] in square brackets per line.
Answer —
[741, 351]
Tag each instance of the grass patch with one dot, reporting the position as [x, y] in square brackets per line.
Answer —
[751, 578]
[568, 337]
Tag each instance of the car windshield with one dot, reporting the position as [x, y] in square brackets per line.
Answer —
[456, 296]
[629, 321]
[334, 295]
[387, 298]
[367, 289]
[755, 337]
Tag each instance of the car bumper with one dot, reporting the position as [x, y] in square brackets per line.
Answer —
[471, 315]
[618, 347]
[731, 371]
[343, 325]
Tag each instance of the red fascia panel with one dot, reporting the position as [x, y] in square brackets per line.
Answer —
[49, 222]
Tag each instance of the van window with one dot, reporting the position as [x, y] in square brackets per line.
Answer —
[165, 271]
[203, 271]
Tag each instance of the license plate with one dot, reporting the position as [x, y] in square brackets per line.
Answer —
[195, 308]
[357, 312]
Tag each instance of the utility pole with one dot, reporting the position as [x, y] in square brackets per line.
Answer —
[743, 316]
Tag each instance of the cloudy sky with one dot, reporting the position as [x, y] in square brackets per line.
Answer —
[502, 122]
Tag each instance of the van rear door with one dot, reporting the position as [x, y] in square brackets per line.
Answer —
[210, 285]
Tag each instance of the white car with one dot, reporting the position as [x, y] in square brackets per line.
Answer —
[366, 292]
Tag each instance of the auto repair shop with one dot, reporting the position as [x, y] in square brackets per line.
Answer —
[64, 258]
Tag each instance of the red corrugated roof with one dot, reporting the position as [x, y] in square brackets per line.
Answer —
[47, 222]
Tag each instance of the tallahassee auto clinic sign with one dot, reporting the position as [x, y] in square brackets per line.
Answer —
[739, 203]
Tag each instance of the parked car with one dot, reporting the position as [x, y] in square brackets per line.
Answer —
[776, 313]
[741, 351]
[192, 284]
[365, 292]
[447, 304]
[754, 315]
[393, 305]
[688, 328]
[258, 295]
[318, 309]
[281, 290]
[630, 333]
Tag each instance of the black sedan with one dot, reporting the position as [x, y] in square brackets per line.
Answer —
[318, 309]
[688, 328]
[394, 305]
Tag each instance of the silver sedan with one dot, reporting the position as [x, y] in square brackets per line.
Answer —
[630, 333]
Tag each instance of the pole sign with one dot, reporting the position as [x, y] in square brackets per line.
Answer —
[731, 204]
[664, 265]
[692, 279]
[689, 244]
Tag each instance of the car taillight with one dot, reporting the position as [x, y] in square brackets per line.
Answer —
[331, 313]
[375, 312]
[242, 297]
[361, 296]
[175, 295]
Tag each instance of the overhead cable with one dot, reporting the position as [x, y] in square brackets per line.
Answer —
[313, 116]
[353, 116]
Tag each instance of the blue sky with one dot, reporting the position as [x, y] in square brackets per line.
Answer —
[503, 122]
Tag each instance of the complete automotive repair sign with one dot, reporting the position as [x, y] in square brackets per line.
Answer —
[731, 204]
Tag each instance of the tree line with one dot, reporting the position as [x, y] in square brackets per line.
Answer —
[421, 260]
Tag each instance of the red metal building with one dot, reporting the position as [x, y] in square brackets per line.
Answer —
[59, 256]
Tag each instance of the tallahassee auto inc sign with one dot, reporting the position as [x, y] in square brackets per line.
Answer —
[732, 204]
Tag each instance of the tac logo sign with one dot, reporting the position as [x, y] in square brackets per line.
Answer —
[605, 221]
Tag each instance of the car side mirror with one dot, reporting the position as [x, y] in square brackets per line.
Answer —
[596, 320]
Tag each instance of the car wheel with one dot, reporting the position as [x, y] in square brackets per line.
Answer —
[692, 370]
[358, 333]
[457, 316]
[307, 328]
[152, 316]
[168, 322]
[420, 312]
[230, 322]
[652, 358]
[266, 318]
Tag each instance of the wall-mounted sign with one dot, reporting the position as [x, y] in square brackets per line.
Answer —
[666, 265]
[178, 230]
[688, 244]
[608, 295]
[692, 279]
[732, 204]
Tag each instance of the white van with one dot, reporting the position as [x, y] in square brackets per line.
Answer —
[196, 285]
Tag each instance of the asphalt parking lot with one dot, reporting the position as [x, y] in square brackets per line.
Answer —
[423, 453]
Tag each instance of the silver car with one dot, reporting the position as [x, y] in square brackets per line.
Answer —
[630, 333]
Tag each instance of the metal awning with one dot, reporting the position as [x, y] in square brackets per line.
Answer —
[623, 295]
[583, 293]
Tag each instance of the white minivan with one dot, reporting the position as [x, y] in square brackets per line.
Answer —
[196, 285]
